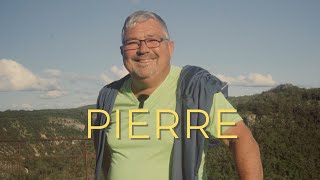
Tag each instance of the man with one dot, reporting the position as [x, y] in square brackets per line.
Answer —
[152, 85]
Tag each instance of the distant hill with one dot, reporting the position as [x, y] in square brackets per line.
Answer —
[51, 123]
[284, 120]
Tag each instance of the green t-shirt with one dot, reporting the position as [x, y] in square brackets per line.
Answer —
[149, 158]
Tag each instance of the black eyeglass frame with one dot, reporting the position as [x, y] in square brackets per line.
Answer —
[123, 47]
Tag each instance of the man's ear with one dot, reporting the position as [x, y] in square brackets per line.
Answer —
[171, 47]
[121, 50]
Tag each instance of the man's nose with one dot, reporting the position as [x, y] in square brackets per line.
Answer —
[143, 48]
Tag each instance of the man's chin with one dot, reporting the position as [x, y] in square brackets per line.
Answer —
[142, 75]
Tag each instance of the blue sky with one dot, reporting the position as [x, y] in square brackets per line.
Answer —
[58, 54]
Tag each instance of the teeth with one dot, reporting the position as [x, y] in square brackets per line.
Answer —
[143, 60]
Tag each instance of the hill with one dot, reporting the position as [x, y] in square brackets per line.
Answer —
[285, 122]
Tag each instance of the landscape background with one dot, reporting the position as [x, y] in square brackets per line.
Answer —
[285, 122]
[55, 56]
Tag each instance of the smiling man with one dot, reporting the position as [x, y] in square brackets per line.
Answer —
[146, 53]
[154, 84]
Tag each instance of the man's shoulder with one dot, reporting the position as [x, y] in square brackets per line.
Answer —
[197, 78]
[115, 84]
[176, 68]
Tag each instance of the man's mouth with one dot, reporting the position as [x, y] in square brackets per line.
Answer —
[143, 60]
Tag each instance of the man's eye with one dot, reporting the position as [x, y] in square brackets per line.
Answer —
[132, 43]
[152, 40]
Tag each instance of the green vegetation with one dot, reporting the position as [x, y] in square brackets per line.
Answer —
[57, 123]
[285, 122]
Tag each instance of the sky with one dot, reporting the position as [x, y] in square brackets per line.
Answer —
[59, 54]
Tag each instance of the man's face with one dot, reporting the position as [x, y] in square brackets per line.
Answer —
[145, 62]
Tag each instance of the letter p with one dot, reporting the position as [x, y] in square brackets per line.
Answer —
[90, 127]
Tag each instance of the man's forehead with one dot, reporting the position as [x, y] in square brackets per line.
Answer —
[149, 22]
[148, 28]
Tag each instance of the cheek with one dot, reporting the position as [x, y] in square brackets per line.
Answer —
[126, 58]
[165, 56]
[125, 55]
[127, 65]
[128, 55]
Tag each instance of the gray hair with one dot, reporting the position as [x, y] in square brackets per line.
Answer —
[140, 16]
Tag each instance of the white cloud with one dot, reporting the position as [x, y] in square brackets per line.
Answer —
[53, 94]
[15, 77]
[52, 72]
[249, 80]
[119, 72]
[105, 78]
[75, 77]
[21, 107]
[113, 74]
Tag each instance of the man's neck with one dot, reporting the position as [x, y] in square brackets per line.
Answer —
[147, 86]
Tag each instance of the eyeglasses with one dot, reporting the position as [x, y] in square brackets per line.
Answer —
[136, 43]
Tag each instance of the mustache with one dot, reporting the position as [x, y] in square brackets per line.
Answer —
[148, 56]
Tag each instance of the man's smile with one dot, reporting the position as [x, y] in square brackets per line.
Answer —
[144, 60]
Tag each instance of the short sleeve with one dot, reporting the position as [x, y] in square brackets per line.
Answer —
[221, 103]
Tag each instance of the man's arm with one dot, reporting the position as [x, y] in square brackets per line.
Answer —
[245, 152]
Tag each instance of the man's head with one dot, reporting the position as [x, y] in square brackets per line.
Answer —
[146, 48]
